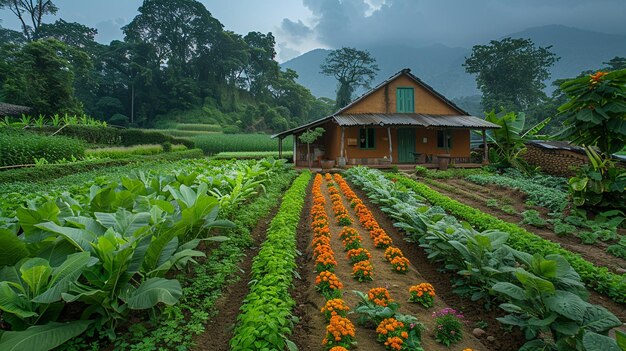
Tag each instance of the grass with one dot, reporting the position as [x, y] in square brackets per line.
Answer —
[177, 133]
[216, 143]
[215, 128]
[251, 154]
[123, 151]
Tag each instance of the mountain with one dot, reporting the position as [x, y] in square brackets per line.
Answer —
[440, 65]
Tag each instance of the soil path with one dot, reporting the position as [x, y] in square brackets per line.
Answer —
[309, 334]
[220, 328]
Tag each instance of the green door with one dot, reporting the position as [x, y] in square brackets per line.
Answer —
[406, 145]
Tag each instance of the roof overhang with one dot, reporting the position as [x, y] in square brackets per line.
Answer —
[414, 119]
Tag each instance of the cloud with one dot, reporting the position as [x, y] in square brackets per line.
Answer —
[296, 30]
[110, 30]
[367, 23]
[286, 53]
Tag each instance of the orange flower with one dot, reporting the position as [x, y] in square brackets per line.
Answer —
[328, 280]
[338, 348]
[363, 271]
[379, 296]
[394, 343]
[400, 264]
[359, 254]
[423, 293]
[334, 307]
[389, 325]
[597, 77]
[392, 252]
[339, 331]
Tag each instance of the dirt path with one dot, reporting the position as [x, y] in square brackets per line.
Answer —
[592, 253]
[220, 328]
[309, 334]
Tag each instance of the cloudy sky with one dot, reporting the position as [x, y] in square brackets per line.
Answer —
[302, 25]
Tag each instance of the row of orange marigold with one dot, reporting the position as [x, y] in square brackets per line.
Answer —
[340, 331]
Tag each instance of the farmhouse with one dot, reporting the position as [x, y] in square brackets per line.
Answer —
[401, 121]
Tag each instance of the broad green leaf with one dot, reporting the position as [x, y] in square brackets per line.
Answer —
[10, 302]
[510, 290]
[568, 305]
[598, 319]
[62, 276]
[42, 337]
[123, 221]
[35, 272]
[80, 238]
[596, 342]
[152, 292]
[12, 249]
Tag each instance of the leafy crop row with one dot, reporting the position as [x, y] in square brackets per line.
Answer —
[543, 295]
[265, 319]
[598, 278]
[216, 143]
[19, 148]
[552, 197]
[121, 152]
[110, 247]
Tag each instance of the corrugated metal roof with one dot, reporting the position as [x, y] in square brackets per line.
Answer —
[413, 119]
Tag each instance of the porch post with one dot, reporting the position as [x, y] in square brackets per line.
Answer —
[485, 147]
[390, 147]
[343, 134]
[280, 148]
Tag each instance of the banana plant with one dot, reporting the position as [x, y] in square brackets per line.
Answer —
[42, 337]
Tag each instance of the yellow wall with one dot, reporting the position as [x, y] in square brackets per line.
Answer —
[425, 101]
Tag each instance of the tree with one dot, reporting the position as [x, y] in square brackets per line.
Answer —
[510, 73]
[71, 33]
[33, 10]
[596, 111]
[308, 138]
[596, 117]
[352, 68]
[11, 36]
[41, 75]
[616, 63]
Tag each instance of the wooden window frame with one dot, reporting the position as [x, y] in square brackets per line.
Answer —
[447, 137]
[367, 139]
[397, 99]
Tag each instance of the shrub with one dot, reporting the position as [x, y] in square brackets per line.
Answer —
[119, 120]
[22, 147]
[215, 143]
[167, 146]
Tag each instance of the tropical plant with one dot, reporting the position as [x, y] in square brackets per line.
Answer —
[546, 301]
[509, 140]
[308, 138]
[600, 184]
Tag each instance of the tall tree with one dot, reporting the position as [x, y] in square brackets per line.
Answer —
[30, 13]
[41, 75]
[71, 33]
[178, 29]
[352, 68]
[510, 73]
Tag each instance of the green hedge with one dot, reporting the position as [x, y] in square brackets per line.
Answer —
[265, 318]
[598, 278]
[53, 171]
[215, 143]
[22, 147]
[113, 136]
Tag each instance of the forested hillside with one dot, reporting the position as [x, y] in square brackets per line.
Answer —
[441, 66]
[177, 63]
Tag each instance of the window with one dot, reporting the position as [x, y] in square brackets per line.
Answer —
[405, 101]
[444, 139]
[367, 136]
